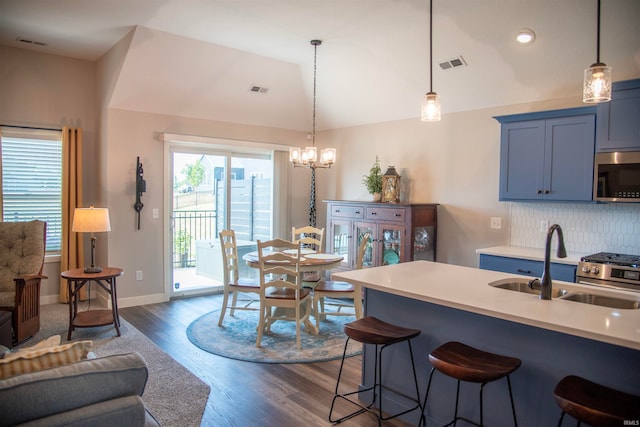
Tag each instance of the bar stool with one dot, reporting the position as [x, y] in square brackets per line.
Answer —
[469, 364]
[370, 330]
[596, 404]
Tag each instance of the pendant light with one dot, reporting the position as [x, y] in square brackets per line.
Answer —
[308, 156]
[597, 78]
[430, 111]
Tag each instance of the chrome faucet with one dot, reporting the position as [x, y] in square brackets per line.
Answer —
[545, 281]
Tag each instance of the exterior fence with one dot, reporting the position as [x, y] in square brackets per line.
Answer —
[250, 212]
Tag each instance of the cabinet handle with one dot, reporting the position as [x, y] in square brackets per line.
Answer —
[546, 191]
[374, 213]
[398, 215]
[524, 271]
[337, 211]
[357, 212]
[539, 191]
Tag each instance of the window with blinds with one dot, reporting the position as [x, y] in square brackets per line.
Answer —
[32, 180]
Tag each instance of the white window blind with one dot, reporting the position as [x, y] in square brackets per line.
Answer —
[32, 180]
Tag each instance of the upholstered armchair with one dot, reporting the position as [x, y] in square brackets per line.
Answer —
[22, 248]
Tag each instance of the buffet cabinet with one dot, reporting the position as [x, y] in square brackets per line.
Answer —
[399, 232]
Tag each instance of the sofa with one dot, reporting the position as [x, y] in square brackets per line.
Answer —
[104, 391]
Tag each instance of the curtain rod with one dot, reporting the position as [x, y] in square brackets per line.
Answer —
[29, 127]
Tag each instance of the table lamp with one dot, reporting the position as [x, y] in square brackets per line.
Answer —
[91, 220]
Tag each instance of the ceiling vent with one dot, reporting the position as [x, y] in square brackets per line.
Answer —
[258, 89]
[31, 42]
[456, 62]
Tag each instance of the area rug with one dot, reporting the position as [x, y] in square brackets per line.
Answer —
[173, 394]
[236, 339]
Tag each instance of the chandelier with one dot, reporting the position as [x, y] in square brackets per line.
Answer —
[308, 156]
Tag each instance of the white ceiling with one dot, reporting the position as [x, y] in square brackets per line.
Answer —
[198, 58]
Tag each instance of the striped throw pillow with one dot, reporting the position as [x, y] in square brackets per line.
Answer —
[24, 362]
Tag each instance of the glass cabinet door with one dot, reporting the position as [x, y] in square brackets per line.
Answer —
[339, 241]
[391, 238]
[369, 259]
[423, 248]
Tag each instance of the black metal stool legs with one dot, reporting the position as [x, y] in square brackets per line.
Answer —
[423, 420]
[376, 388]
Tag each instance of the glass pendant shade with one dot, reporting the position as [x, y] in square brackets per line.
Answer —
[430, 111]
[597, 84]
[294, 155]
[328, 156]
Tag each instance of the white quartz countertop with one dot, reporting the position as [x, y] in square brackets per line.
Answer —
[467, 288]
[534, 254]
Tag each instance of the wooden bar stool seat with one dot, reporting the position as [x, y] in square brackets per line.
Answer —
[595, 404]
[465, 363]
[370, 330]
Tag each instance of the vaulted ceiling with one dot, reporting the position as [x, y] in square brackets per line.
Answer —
[199, 58]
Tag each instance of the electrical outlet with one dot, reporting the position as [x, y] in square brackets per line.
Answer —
[544, 226]
[138, 274]
[496, 222]
[156, 213]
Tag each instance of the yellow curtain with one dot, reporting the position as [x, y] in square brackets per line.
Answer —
[72, 255]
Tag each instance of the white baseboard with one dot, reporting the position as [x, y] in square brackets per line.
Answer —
[102, 300]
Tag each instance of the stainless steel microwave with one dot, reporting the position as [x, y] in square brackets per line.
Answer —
[617, 177]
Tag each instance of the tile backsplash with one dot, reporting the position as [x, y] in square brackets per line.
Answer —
[587, 228]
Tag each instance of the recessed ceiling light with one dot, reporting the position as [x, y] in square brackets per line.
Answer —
[525, 36]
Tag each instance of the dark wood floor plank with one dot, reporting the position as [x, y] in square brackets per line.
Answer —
[245, 393]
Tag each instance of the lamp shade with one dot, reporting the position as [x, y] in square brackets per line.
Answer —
[91, 220]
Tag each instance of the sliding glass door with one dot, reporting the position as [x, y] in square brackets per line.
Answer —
[216, 189]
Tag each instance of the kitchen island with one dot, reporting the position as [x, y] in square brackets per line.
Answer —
[552, 338]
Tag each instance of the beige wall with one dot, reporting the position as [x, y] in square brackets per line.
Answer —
[51, 91]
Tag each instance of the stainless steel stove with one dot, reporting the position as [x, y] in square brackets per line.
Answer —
[610, 269]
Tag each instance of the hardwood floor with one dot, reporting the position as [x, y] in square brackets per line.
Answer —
[245, 393]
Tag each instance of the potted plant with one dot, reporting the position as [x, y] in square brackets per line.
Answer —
[373, 181]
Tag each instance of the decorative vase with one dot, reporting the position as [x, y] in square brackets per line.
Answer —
[377, 197]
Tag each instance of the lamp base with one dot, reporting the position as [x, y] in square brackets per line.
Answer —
[93, 269]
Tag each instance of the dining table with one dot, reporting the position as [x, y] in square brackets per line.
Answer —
[310, 261]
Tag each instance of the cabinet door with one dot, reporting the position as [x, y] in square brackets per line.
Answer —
[618, 120]
[522, 160]
[392, 242]
[569, 153]
[370, 258]
[340, 241]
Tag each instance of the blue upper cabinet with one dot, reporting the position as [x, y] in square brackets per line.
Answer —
[547, 155]
[619, 120]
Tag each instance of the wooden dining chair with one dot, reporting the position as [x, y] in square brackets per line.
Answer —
[339, 291]
[309, 238]
[233, 284]
[281, 295]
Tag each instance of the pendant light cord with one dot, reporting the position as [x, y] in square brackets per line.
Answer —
[315, 59]
[598, 37]
[431, 45]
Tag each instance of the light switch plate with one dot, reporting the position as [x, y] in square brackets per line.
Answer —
[156, 213]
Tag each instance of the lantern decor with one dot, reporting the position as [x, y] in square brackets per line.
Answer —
[391, 186]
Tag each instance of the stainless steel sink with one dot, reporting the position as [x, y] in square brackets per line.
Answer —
[604, 301]
[522, 285]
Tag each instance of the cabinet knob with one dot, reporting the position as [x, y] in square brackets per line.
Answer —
[539, 191]
[546, 191]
